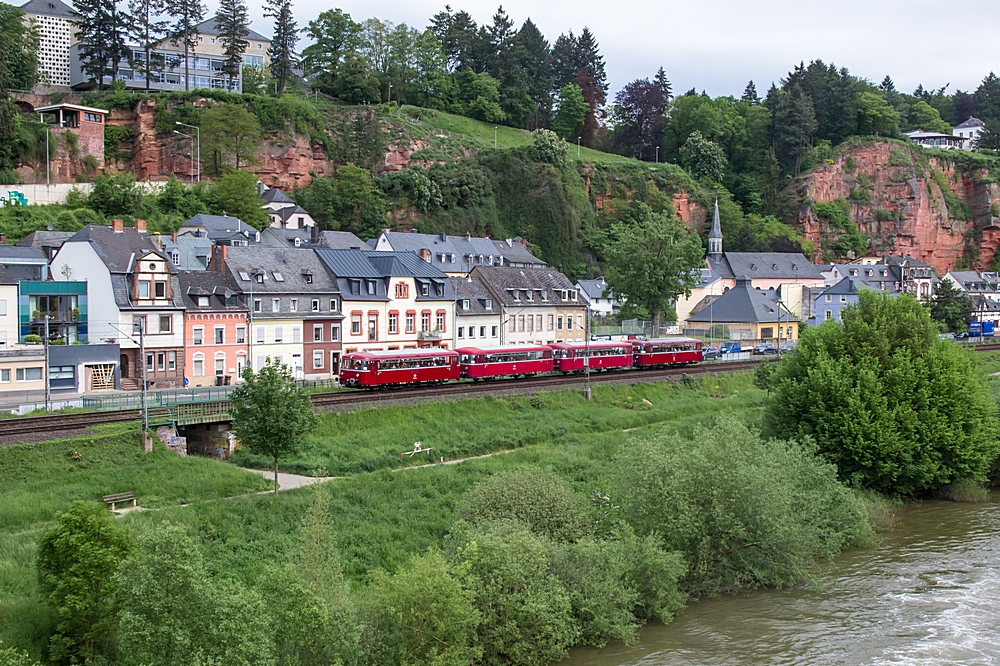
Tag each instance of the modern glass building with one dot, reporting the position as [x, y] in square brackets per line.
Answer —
[64, 302]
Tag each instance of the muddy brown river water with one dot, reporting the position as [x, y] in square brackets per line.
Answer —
[928, 594]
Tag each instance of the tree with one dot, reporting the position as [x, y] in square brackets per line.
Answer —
[703, 158]
[476, 96]
[76, 563]
[229, 130]
[148, 29]
[102, 33]
[187, 15]
[989, 137]
[458, 34]
[793, 125]
[271, 414]
[286, 36]
[950, 307]
[638, 118]
[547, 147]
[666, 89]
[354, 82]
[236, 195]
[987, 98]
[534, 60]
[233, 22]
[888, 402]
[876, 117]
[926, 117]
[21, 42]
[8, 111]
[750, 94]
[334, 36]
[572, 112]
[652, 259]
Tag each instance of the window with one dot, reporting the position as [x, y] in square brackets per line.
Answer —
[472, 331]
[425, 321]
[317, 332]
[465, 304]
[3, 307]
[551, 319]
[275, 304]
[241, 335]
[482, 331]
[318, 358]
[92, 117]
[424, 289]
[513, 324]
[294, 307]
[143, 289]
[307, 276]
[4, 376]
[315, 305]
[28, 375]
[411, 318]
[199, 366]
[203, 301]
[171, 360]
[198, 335]
[160, 288]
[461, 331]
[402, 290]
[220, 364]
[827, 314]
[520, 323]
[256, 305]
[161, 361]
[559, 324]
[278, 277]
[488, 304]
[296, 334]
[259, 277]
[843, 298]
[494, 331]
[220, 335]
[260, 335]
[393, 323]
[279, 334]
[62, 372]
[333, 305]
[165, 323]
[372, 327]
[531, 323]
[829, 298]
[149, 362]
[371, 287]
[356, 324]
[334, 333]
[440, 321]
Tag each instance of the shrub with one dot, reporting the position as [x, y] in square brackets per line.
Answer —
[548, 147]
[836, 212]
[745, 512]
[895, 408]
[535, 498]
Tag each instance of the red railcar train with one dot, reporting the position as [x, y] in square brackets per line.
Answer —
[372, 369]
[571, 356]
[666, 351]
[505, 361]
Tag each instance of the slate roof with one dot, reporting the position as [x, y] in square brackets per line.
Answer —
[851, 285]
[503, 281]
[193, 251]
[744, 304]
[206, 283]
[120, 288]
[274, 195]
[6, 277]
[716, 230]
[976, 281]
[292, 265]
[277, 237]
[595, 288]
[515, 253]
[115, 249]
[350, 265]
[970, 123]
[40, 240]
[221, 228]
[49, 8]
[341, 240]
[210, 27]
[765, 265]
[474, 290]
[20, 255]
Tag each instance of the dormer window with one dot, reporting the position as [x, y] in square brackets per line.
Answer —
[573, 295]
[774, 267]
[176, 258]
[452, 257]
[488, 304]
[371, 287]
[753, 267]
[308, 278]
[160, 289]
[517, 295]
[545, 295]
[259, 278]
[529, 295]
[465, 304]
[298, 242]
[425, 289]
[203, 301]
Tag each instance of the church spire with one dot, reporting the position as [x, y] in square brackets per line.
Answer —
[715, 235]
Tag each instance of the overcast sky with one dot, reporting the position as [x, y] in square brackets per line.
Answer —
[719, 45]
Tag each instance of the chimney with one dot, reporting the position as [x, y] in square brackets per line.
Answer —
[3, 239]
[314, 235]
[444, 236]
[118, 226]
[140, 226]
[222, 259]
[468, 236]
[173, 236]
[413, 231]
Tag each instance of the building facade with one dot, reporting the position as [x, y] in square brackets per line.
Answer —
[57, 24]
[477, 315]
[215, 330]
[538, 305]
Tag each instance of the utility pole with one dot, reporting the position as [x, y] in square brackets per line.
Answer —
[144, 405]
[47, 183]
[48, 390]
[587, 393]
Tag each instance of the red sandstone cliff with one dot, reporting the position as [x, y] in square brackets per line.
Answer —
[896, 199]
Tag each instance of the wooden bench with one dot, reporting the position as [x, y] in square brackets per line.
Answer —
[112, 500]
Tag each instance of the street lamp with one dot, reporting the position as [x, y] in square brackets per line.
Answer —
[657, 154]
[495, 137]
[577, 147]
[198, 130]
[191, 163]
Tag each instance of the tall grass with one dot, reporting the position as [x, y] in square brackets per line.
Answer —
[373, 439]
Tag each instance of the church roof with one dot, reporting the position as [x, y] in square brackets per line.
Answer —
[743, 304]
[716, 231]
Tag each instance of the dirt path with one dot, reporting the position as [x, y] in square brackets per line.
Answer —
[290, 481]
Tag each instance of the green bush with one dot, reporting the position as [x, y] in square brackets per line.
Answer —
[745, 512]
[895, 408]
[837, 213]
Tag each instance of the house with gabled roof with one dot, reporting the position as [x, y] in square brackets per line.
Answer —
[537, 305]
[133, 294]
[748, 314]
[969, 131]
[477, 314]
[458, 255]
[830, 303]
[215, 329]
[392, 300]
[221, 230]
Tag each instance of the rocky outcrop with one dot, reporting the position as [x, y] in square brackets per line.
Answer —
[906, 203]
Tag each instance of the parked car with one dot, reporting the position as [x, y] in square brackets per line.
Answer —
[730, 347]
[765, 349]
[947, 336]
[787, 347]
[710, 353]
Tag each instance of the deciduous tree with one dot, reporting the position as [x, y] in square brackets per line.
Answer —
[20, 41]
[571, 114]
[703, 158]
[271, 414]
[236, 194]
[334, 36]
[229, 131]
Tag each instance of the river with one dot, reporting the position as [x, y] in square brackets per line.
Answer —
[928, 594]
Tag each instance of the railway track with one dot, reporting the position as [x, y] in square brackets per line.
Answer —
[27, 425]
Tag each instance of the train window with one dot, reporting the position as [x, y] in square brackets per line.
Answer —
[465, 359]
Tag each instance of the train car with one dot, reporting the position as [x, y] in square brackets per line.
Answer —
[570, 357]
[375, 369]
[666, 351]
[505, 361]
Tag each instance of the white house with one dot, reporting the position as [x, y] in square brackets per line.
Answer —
[969, 132]
[929, 139]
[602, 302]
[477, 315]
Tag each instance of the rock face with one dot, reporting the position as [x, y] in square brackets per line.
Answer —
[907, 204]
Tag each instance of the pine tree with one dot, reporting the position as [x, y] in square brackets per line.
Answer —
[233, 23]
[147, 29]
[184, 30]
[750, 94]
[591, 62]
[666, 89]
[887, 85]
[535, 61]
[987, 97]
[283, 42]
[564, 66]
[101, 33]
